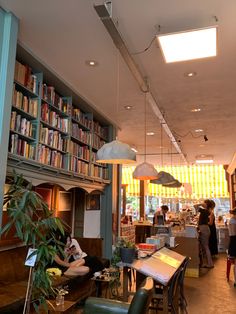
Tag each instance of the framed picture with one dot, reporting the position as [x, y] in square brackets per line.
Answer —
[46, 194]
[65, 201]
[93, 202]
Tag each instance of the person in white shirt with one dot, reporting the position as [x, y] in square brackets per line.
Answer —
[75, 253]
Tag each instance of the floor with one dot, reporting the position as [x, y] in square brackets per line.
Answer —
[210, 293]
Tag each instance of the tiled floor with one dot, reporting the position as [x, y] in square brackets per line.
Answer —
[210, 293]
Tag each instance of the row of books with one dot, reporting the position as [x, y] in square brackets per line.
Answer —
[97, 142]
[78, 115]
[20, 147]
[23, 74]
[25, 103]
[79, 151]
[51, 157]
[80, 134]
[78, 166]
[101, 131]
[21, 125]
[98, 172]
[54, 119]
[49, 95]
[53, 139]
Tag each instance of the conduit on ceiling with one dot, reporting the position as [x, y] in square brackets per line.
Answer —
[107, 21]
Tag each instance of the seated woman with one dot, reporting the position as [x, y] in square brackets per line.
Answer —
[75, 254]
[69, 268]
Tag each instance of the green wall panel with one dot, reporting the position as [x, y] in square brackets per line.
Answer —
[8, 41]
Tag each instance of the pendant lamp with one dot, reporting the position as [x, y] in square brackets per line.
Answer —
[145, 171]
[175, 184]
[163, 178]
[116, 152]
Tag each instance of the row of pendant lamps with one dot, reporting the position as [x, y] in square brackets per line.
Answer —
[117, 152]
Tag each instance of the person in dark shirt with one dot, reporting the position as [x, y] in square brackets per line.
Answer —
[204, 234]
[213, 243]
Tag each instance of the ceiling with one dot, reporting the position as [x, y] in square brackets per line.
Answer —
[64, 34]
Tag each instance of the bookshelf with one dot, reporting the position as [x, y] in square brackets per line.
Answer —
[49, 128]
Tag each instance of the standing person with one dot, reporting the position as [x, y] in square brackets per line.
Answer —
[213, 243]
[232, 240]
[164, 210]
[204, 234]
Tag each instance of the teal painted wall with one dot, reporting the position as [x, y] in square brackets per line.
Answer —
[8, 41]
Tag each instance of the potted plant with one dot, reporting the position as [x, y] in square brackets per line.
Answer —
[124, 251]
[35, 231]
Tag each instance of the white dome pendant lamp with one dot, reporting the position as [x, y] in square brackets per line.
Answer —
[116, 152]
[145, 171]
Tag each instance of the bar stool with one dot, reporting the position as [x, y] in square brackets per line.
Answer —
[230, 261]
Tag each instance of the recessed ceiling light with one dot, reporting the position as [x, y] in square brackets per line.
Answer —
[91, 63]
[150, 133]
[188, 45]
[198, 130]
[190, 74]
[128, 107]
[196, 109]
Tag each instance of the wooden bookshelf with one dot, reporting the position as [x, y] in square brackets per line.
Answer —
[50, 128]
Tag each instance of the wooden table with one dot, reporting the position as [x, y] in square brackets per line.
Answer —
[161, 267]
[67, 307]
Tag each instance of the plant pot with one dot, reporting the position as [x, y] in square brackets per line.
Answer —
[127, 255]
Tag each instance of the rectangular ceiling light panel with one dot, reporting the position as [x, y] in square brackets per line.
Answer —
[189, 45]
[204, 159]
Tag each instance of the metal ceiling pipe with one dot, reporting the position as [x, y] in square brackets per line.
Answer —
[107, 21]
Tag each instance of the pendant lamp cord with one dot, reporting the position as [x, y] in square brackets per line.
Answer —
[145, 125]
[161, 146]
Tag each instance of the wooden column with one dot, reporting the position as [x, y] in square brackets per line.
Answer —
[142, 199]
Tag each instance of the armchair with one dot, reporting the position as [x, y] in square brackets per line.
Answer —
[139, 304]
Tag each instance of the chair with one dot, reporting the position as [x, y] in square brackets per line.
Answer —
[158, 297]
[182, 300]
[176, 295]
[139, 304]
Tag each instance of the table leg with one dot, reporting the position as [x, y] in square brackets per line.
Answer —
[125, 284]
[165, 300]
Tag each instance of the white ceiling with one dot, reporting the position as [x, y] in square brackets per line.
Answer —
[64, 34]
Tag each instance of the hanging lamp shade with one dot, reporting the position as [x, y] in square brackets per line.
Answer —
[116, 152]
[163, 178]
[145, 171]
[175, 184]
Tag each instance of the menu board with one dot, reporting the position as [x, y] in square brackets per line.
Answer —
[168, 257]
[161, 266]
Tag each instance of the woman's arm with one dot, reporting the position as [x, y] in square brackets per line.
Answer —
[211, 219]
[59, 261]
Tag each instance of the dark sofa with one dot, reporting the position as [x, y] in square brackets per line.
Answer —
[14, 276]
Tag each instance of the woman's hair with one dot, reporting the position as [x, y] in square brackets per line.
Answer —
[165, 208]
[209, 203]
